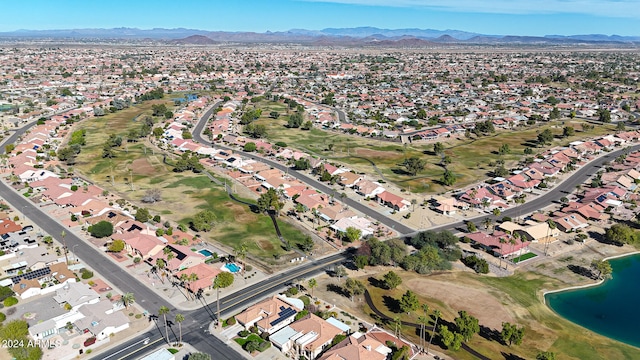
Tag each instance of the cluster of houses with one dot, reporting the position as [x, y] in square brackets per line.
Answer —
[610, 193]
[311, 336]
[503, 192]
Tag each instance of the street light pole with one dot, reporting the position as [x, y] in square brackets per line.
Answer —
[74, 252]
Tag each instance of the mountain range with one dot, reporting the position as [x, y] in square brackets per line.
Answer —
[331, 36]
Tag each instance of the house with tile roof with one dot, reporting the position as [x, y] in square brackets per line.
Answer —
[358, 346]
[270, 315]
[310, 336]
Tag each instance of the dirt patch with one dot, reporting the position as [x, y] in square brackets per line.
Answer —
[265, 245]
[478, 303]
[240, 213]
[143, 167]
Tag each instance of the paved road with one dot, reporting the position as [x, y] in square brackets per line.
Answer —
[399, 227]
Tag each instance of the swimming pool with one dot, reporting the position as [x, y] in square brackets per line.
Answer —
[206, 252]
[231, 267]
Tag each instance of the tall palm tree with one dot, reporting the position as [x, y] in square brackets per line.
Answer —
[221, 281]
[179, 320]
[512, 242]
[502, 242]
[164, 311]
[241, 253]
[437, 314]
[425, 308]
[397, 324]
[312, 284]
[193, 277]
[487, 222]
[517, 237]
[160, 263]
[552, 226]
[127, 299]
[63, 234]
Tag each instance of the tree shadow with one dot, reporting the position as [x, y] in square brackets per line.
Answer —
[392, 304]
[601, 239]
[581, 270]
[377, 282]
[511, 356]
[400, 171]
[490, 334]
[337, 289]
[429, 152]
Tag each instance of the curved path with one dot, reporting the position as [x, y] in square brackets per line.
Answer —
[465, 347]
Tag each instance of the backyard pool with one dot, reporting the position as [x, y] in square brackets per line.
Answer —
[206, 252]
[231, 267]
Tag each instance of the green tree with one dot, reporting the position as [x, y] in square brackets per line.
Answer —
[221, 281]
[603, 268]
[101, 229]
[203, 221]
[361, 261]
[504, 149]
[450, 339]
[413, 165]
[157, 132]
[142, 215]
[604, 115]
[620, 234]
[511, 334]
[164, 311]
[354, 287]
[392, 280]
[448, 178]
[545, 137]
[116, 246]
[250, 147]
[467, 325]
[546, 355]
[471, 227]
[306, 244]
[409, 302]
[620, 126]
[270, 201]
[421, 114]
[438, 148]
[352, 234]
[568, 131]
[302, 164]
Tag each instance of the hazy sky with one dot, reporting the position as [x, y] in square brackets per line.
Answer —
[516, 17]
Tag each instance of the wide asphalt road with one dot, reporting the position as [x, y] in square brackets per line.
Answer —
[397, 226]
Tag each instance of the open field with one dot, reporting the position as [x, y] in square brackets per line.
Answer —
[183, 194]
[515, 299]
[471, 158]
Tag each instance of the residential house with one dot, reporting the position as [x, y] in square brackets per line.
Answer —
[311, 336]
[368, 189]
[358, 346]
[270, 315]
[393, 201]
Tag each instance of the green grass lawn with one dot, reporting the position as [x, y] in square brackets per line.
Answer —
[183, 194]
[471, 158]
[524, 257]
[521, 295]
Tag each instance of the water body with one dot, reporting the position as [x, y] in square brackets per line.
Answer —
[609, 309]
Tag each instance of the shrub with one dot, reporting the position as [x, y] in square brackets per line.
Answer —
[3, 317]
[244, 333]
[231, 321]
[305, 299]
[264, 346]
[86, 274]
[10, 301]
[101, 229]
[292, 291]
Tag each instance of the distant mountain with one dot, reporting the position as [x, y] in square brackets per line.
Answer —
[359, 36]
[194, 40]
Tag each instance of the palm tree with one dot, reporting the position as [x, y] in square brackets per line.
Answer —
[397, 324]
[193, 277]
[221, 281]
[63, 234]
[161, 265]
[423, 321]
[552, 226]
[502, 242]
[164, 311]
[487, 222]
[312, 284]
[437, 314]
[179, 320]
[425, 308]
[127, 299]
[512, 242]
[518, 238]
[241, 253]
